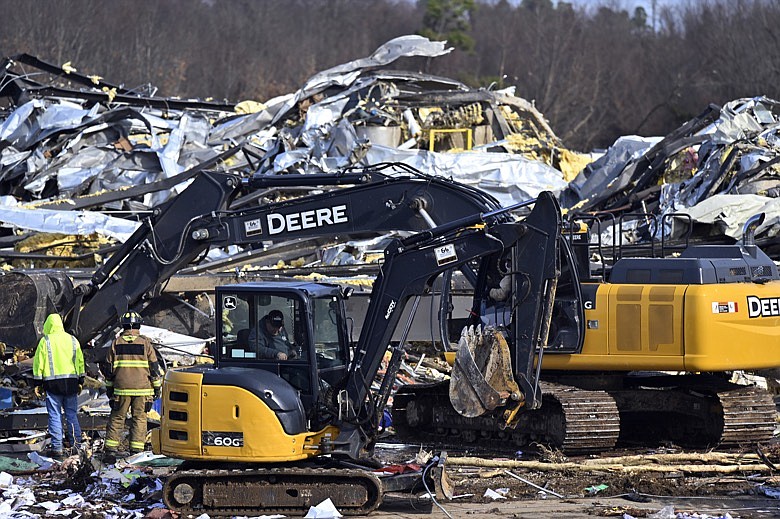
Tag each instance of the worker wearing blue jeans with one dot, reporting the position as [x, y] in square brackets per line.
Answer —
[58, 370]
[55, 405]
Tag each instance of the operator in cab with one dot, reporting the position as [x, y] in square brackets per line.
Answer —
[269, 339]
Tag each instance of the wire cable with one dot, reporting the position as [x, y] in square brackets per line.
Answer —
[435, 459]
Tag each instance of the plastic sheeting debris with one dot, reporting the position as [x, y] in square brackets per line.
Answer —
[79, 223]
[500, 493]
[174, 346]
[769, 491]
[324, 510]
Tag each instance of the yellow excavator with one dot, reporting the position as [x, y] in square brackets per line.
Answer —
[279, 433]
[661, 337]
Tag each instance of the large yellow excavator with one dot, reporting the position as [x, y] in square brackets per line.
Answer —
[661, 338]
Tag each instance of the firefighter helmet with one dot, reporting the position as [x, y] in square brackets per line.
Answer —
[130, 320]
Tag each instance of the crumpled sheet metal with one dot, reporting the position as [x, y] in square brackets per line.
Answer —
[734, 150]
[56, 149]
[332, 135]
[68, 222]
[510, 178]
[347, 73]
[91, 151]
[103, 148]
[597, 176]
[734, 210]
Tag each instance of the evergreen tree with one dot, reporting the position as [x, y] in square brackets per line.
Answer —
[449, 20]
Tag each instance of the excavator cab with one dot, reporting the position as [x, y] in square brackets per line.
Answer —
[295, 330]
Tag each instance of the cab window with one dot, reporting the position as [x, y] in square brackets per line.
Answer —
[327, 330]
[262, 327]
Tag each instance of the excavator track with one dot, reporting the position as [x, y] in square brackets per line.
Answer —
[590, 418]
[696, 415]
[749, 416]
[281, 490]
[691, 411]
[570, 419]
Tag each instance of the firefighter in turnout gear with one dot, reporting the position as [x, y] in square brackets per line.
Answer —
[133, 381]
[58, 370]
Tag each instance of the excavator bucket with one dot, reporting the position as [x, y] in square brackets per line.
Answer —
[27, 299]
[481, 379]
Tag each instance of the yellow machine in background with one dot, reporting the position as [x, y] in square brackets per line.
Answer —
[661, 338]
[708, 328]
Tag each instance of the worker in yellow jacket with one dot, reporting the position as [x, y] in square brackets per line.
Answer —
[58, 370]
[133, 381]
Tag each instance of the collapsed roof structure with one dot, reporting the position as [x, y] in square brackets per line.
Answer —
[83, 162]
[719, 168]
[101, 156]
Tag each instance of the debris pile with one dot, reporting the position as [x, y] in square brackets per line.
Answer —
[720, 169]
[84, 162]
[638, 485]
[82, 156]
[84, 486]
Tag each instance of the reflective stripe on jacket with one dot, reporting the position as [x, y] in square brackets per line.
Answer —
[59, 362]
[132, 366]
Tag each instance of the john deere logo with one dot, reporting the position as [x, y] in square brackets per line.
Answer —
[763, 306]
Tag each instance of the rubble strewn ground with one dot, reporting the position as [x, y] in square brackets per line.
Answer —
[85, 485]
[537, 481]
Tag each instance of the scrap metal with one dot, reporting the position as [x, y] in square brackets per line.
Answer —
[719, 168]
[80, 156]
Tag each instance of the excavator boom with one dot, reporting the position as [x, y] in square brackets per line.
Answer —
[200, 218]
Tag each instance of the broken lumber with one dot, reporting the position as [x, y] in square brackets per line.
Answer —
[601, 467]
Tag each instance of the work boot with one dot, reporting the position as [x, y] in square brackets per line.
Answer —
[111, 455]
[54, 454]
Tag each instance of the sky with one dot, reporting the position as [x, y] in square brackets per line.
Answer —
[630, 5]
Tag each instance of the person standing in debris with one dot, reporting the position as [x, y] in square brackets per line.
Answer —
[133, 381]
[58, 370]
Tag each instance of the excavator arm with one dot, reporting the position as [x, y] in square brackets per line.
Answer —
[199, 218]
[524, 252]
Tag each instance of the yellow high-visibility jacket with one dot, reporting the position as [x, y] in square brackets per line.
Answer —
[58, 364]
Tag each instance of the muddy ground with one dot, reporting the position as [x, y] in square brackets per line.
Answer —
[581, 508]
